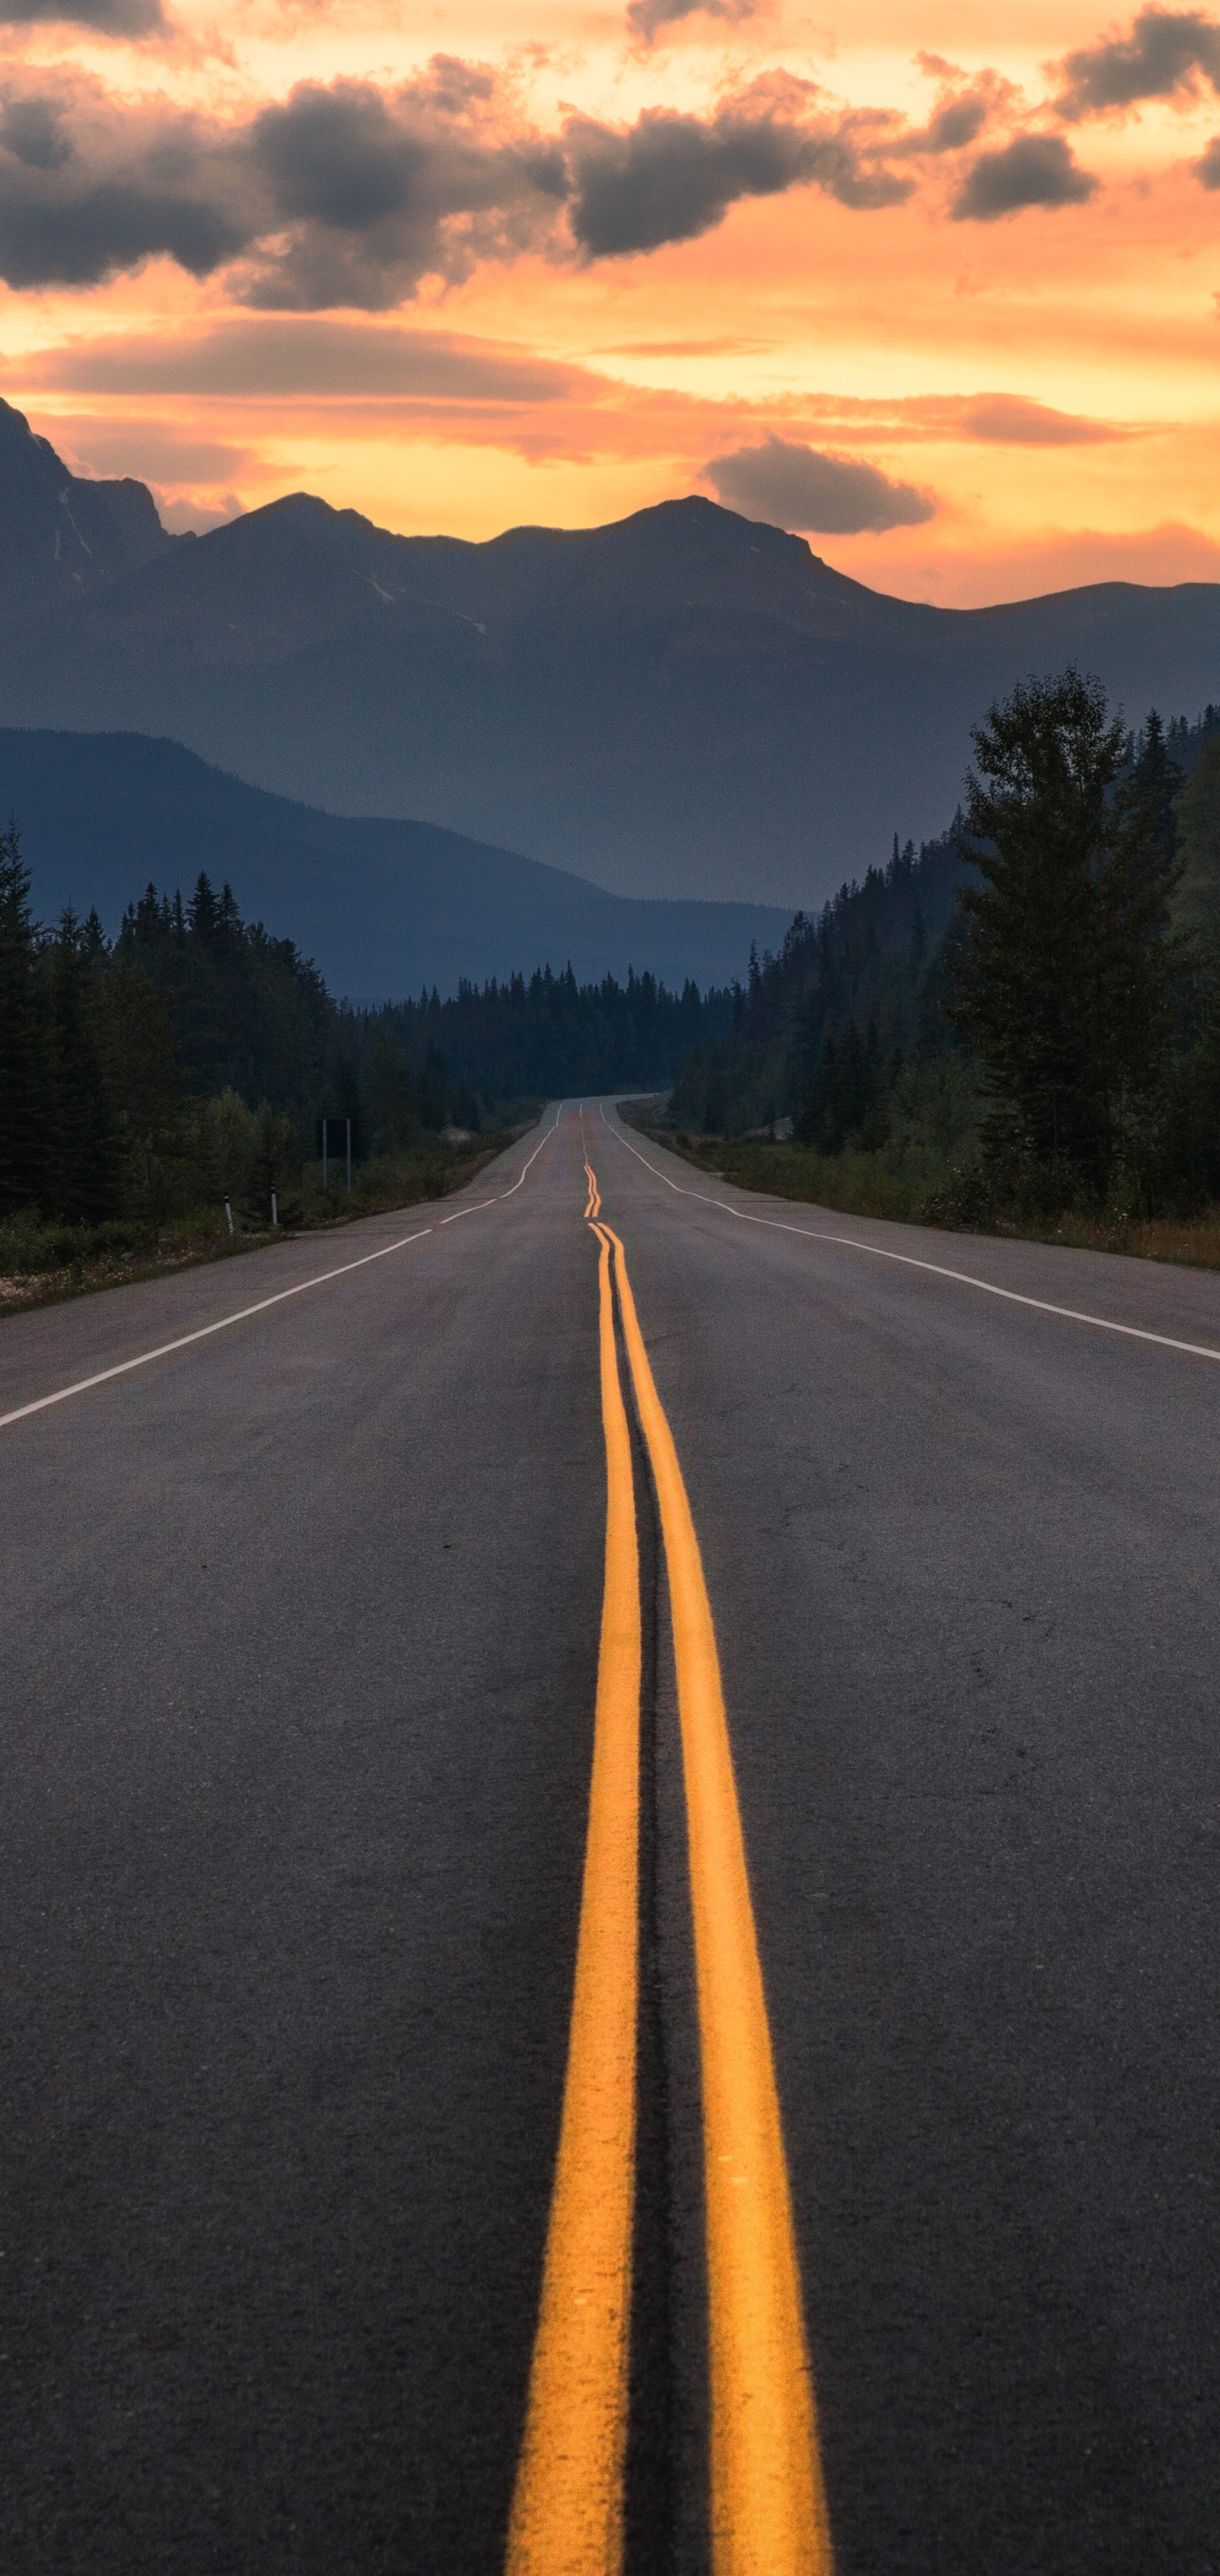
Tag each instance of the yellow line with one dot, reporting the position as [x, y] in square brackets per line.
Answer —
[768, 2505]
[567, 2515]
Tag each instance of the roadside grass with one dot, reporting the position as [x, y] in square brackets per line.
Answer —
[915, 1192]
[40, 1263]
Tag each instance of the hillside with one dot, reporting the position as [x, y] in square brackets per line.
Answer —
[383, 907]
[684, 704]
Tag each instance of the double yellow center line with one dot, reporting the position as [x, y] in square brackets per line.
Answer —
[768, 2508]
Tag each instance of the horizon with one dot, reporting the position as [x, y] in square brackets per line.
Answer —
[543, 527]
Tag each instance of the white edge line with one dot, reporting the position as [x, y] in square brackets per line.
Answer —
[479, 1204]
[963, 1278]
[123, 1367]
[508, 1194]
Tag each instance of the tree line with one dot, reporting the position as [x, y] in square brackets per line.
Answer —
[193, 1057]
[1048, 974]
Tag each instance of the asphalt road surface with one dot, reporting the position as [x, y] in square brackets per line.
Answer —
[300, 1668]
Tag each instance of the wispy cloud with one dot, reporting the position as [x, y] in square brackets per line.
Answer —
[123, 18]
[648, 19]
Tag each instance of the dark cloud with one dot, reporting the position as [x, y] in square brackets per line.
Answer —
[342, 195]
[291, 356]
[798, 487]
[386, 187]
[961, 111]
[670, 176]
[32, 130]
[1032, 170]
[106, 17]
[88, 187]
[347, 194]
[1166, 52]
[956, 123]
[649, 18]
[1208, 169]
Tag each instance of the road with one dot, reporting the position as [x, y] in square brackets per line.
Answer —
[308, 1626]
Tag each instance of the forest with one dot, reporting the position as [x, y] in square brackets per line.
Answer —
[1021, 1015]
[188, 1063]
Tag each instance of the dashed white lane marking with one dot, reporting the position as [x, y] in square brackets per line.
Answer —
[962, 1278]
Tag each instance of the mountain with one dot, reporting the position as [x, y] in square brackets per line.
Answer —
[61, 536]
[686, 703]
[383, 907]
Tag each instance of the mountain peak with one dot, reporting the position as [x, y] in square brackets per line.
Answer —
[63, 536]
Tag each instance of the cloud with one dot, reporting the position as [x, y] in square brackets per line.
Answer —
[343, 194]
[347, 194]
[1164, 55]
[671, 176]
[277, 360]
[961, 111]
[89, 186]
[799, 487]
[1012, 420]
[382, 188]
[158, 451]
[1207, 170]
[649, 18]
[1032, 170]
[105, 17]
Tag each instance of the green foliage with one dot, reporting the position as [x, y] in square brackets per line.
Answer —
[528, 1038]
[1063, 984]
[872, 958]
[848, 1099]
[1197, 909]
[85, 1152]
[25, 1125]
[250, 1014]
[274, 1168]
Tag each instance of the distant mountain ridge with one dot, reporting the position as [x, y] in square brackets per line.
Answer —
[383, 907]
[686, 703]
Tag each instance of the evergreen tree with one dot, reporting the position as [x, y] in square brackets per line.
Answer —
[25, 1120]
[145, 1085]
[389, 1096]
[84, 1167]
[1062, 983]
[1197, 907]
[1148, 801]
[847, 1100]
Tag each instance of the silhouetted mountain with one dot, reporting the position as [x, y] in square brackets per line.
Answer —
[382, 907]
[684, 703]
[62, 537]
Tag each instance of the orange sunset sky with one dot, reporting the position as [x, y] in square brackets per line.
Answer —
[939, 286]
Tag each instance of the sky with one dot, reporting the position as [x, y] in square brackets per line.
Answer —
[938, 287]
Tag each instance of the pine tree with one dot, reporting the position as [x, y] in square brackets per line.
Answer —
[84, 1158]
[144, 1082]
[24, 1088]
[1148, 801]
[1062, 982]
